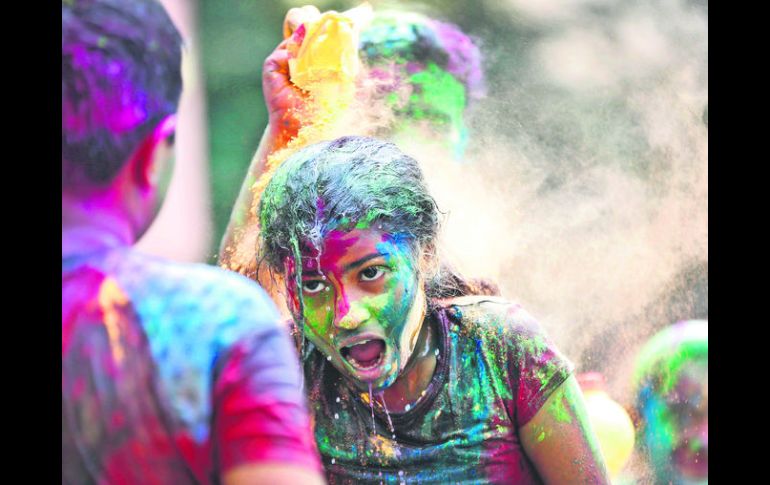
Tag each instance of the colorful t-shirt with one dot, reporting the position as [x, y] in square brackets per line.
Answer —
[173, 373]
[495, 370]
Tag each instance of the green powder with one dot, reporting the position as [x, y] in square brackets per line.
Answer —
[438, 96]
[559, 411]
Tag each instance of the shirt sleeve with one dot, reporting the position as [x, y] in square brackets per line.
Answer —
[539, 367]
[260, 409]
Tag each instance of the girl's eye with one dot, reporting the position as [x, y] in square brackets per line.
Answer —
[372, 273]
[312, 286]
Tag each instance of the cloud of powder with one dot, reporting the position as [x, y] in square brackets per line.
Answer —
[585, 191]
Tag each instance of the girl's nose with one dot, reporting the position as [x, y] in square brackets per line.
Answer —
[351, 319]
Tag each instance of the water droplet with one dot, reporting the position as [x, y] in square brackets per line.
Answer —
[371, 405]
[437, 352]
[336, 416]
[338, 399]
[326, 289]
[401, 473]
[334, 461]
[328, 357]
[385, 407]
[407, 407]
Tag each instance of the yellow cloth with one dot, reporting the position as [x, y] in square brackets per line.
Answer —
[328, 53]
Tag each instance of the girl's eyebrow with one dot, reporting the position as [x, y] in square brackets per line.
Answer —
[349, 266]
[361, 261]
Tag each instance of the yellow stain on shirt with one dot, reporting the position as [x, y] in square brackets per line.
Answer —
[111, 301]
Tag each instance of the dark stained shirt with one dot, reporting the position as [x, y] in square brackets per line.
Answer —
[495, 370]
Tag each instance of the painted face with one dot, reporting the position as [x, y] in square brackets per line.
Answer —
[363, 304]
[676, 431]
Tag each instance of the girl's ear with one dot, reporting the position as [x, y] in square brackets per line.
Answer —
[152, 162]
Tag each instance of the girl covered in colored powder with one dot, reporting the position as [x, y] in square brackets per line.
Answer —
[413, 373]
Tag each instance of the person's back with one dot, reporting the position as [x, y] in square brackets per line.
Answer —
[113, 429]
[171, 373]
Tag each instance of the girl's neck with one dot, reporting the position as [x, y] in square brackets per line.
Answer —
[417, 375]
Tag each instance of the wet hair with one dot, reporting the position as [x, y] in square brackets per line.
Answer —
[121, 76]
[353, 182]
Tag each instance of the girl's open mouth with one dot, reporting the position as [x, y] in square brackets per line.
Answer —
[364, 355]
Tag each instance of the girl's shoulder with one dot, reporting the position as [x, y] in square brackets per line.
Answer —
[512, 340]
[474, 308]
[488, 316]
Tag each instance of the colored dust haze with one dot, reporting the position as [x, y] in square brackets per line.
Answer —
[584, 188]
